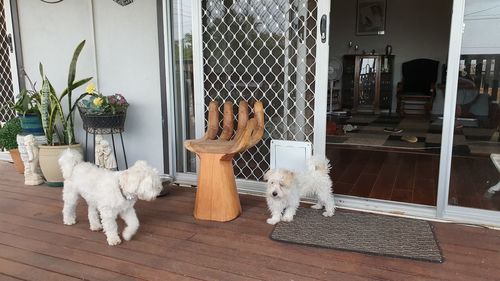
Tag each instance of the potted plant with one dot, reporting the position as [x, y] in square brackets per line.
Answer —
[8, 134]
[100, 113]
[58, 122]
[26, 107]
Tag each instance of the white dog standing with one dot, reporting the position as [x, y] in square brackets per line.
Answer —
[108, 193]
[285, 188]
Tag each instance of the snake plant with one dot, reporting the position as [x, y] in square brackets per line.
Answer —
[54, 118]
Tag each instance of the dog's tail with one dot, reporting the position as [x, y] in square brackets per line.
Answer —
[68, 160]
[320, 164]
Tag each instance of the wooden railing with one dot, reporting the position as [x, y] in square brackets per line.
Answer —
[485, 71]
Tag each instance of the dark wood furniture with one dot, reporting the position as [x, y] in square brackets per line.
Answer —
[414, 93]
[367, 82]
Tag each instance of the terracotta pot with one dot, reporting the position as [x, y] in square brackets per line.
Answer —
[18, 162]
[49, 156]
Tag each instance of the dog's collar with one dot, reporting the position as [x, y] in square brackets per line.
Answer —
[128, 196]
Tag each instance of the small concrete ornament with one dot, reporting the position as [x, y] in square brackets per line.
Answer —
[124, 2]
[104, 157]
[98, 156]
[31, 175]
[109, 158]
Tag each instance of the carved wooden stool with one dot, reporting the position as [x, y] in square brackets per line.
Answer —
[217, 198]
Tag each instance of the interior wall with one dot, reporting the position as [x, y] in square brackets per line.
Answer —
[122, 54]
[414, 29]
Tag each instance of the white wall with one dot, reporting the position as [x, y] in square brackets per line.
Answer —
[49, 34]
[414, 28]
[126, 60]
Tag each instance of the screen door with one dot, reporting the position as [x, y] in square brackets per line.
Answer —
[275, 51]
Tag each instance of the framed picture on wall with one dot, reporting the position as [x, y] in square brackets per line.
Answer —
[370, 17]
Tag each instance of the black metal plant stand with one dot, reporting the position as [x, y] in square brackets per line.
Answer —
[104, 125]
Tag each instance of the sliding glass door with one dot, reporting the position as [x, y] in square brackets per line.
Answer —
[277, 51]
[473, 104]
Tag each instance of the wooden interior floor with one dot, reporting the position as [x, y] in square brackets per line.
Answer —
[411, 177]
[171, 245]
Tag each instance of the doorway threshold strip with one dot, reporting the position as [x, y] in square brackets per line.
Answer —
[362, 233]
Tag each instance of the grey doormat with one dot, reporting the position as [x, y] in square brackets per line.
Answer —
[363, 233]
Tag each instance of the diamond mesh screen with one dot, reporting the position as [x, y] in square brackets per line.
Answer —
[262, 50]
[6, 89]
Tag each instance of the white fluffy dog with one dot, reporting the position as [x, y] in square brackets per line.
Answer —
[284, 189]
[108, 193]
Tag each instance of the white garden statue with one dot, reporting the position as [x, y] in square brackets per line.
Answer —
[99, 157]
[31, 168]
[104, 157]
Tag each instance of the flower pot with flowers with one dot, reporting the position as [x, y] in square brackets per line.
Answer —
[103, 114]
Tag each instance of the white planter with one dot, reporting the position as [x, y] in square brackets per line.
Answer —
[49, 156]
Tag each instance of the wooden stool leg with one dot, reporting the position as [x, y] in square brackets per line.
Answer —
[216, 198]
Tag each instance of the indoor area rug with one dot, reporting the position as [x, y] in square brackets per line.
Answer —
[476, 137]
[363, 233]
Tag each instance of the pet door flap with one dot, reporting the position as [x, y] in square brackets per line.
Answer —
[291, 155]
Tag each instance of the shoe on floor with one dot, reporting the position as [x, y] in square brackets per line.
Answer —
[393, 130]
[350, 128]
[410, 139]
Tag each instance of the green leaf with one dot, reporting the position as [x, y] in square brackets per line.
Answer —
[44, 110]
[72, 66]
[75, 105]
[74, 86]
[40, 68]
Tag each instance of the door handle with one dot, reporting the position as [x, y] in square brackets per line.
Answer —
[322, 28]
[10, 43]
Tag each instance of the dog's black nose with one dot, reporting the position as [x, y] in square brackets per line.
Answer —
[275, 193]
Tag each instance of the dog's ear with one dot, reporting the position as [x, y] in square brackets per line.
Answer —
[288, 178]
[129, 181]
[268, 174]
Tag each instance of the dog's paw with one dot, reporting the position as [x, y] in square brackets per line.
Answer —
[328, 213]
[96, 227]
[69, 221]
[317, 206]
[287, 218]
[272, 221]
[112, 241]
[127, 235]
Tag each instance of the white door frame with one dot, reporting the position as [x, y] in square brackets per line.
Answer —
[199, 98]
[321, 90]
[442, 211]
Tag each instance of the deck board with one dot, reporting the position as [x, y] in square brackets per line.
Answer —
[172, 245]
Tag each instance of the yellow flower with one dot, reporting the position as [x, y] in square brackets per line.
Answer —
[98, 101]
[90, 88]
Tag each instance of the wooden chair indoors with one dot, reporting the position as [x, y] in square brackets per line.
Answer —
[414, 93]
[216, 197]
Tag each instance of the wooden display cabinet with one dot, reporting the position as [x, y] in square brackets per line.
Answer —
[367, 83]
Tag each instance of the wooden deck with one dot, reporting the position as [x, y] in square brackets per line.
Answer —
[171, 245]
